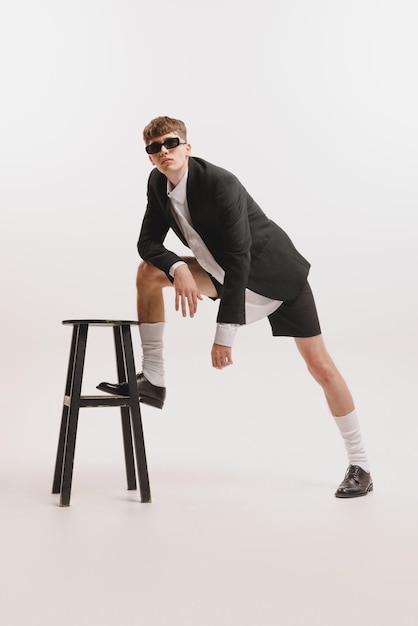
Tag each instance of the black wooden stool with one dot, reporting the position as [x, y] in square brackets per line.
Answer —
[129, 407]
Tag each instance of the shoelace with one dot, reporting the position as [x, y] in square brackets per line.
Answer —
[353, 472]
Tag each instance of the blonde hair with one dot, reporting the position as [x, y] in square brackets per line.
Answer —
[162, 126]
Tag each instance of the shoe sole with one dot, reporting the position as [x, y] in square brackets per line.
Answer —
[355, 495]
[158, 404]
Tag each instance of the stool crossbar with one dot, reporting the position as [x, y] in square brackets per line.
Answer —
[132, 432]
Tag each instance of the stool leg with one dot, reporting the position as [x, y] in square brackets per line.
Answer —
[74, 407]
[128, 448]
[141, 460]
[56, 485]
[124, 411]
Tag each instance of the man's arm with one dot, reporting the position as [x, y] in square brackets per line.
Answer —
[155, 226]
[235, 243]
[231, 207]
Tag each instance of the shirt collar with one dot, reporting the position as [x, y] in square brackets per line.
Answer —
[179, 191]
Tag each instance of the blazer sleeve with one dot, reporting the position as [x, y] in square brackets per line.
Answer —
[231, 207]
[155, 226]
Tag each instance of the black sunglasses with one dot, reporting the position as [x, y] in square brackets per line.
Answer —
[169, 144]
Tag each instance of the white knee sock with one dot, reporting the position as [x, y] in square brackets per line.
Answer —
[349, 428]
[152, 352]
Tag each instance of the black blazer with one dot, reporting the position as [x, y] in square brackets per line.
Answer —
[252, 250]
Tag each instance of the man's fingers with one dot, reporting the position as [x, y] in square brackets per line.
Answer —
[187, 301]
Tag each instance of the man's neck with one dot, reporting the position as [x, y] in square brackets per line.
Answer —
[175, 178]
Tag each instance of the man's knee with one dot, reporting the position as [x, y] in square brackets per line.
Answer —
[317, 359]
[323, 370]
[151, 276]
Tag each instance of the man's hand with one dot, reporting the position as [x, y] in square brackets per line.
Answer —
[187, 292]
[221, 356]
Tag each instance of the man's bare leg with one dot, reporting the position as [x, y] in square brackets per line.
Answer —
[190, 283]
[323, 369]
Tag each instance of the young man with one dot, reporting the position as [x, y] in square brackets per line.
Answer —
[240, 257]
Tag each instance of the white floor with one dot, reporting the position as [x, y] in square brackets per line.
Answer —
[244, 528]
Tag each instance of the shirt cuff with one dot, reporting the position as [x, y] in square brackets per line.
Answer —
[174, 267]
[225, 334]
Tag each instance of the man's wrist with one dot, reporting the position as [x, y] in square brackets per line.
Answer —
[175, 266]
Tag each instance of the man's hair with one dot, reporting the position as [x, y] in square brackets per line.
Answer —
[162, 126]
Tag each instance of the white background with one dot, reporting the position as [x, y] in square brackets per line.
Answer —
[313, 105]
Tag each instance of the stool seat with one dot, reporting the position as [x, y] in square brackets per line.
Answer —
[133, 438]
[102, 322]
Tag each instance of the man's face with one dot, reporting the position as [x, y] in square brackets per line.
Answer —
[172, 162]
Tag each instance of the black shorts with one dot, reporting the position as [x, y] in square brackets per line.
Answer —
[294, 318]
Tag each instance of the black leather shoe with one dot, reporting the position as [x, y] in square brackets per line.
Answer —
[148, 393]
[357, 482]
